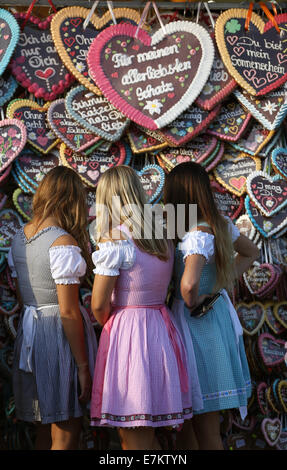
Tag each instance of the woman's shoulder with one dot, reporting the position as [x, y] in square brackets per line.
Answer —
[197, 242]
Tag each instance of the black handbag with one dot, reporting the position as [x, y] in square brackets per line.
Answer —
[205, 306]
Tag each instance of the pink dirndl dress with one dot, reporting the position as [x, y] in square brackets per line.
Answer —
[142, 376]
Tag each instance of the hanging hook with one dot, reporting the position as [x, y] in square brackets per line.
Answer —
[91, 12]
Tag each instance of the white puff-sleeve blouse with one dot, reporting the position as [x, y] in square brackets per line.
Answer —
[67, 264]
[113, 256]
[202, 243]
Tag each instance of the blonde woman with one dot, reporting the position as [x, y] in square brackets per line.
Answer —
[140, 380]
[55, 347]
[204, 266]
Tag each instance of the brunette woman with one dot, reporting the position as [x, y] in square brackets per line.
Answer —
[205, 265]
[55, 346]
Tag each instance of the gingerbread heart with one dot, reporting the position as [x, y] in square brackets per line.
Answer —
[10, 223]
[92, 167]
[271, 320]
[268, 193]
[69, 131]
[228, 204]
[251, 316]
[255, 58]
[141, 142]
[23, 203]
[152, 178]
[261, 279]
[269, 110]
[34, 167]
[21, 182]
[247, 424]
[12, 322]
[262, 397]
[129, 67]
[219, 84]
[280, 312]
[36, 64]
[254, 139]
[267, 226]
[96, 114]
[271, 429]
[282, 394]
[211, 162]
[279, 161]
[91, 203]
[281, 444]
[9, 36]
[198, 149]
[231, 122]
[233, 170]
[243, 223]
[9, 302]
[72, 40]
[238, 441]
[8, 86]
[34, 118]
[188, 124]
[13, 137]
[271, 349]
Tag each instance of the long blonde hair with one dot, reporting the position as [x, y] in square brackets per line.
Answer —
[188, 183]
[121, 198]
[61, 194]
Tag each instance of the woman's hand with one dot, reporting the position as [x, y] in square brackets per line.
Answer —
[199, 301]
[85, 381]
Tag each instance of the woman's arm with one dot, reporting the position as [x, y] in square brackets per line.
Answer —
[190, 280]
[247, 253]
[101, 297]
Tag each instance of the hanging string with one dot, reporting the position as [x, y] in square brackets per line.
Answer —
[143, 17]
[210, 15]
[248, 17]
[53, 6]
[159, 17]
[91, 12]
[269, 16]
[28, 14]
[110, 6]
[198, 11]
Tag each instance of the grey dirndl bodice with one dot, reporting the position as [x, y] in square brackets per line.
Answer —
[32, 264]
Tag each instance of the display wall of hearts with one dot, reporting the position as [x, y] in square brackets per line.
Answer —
[92, 96]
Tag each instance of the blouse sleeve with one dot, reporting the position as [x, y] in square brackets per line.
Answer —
[197, 243]
[234, 231]
[11, 264]
[113, 256]
[67, 264]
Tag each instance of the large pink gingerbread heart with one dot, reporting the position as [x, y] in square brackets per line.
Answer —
[13, 137]
[151, 79]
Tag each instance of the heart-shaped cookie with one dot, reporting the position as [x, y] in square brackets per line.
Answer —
[233, 170]
[198, 149]
[13, 137]
[9, 36]
[271, 429]
[92, 167]
[152, 178]
[211, 162]
[69, 131]
[12, 322]
[141, 142]
[219, 84]
[251, 316]
[231, 122]
[36, 64]
[23, 203]
[91, 203]
[34, 167]
[268, 193]
[271, 320]
[260, 279]
[8, 86]
[280, 312]
[247, 424]
[254, 139]
[9, 302]
[269, 110]
[238, 441]
[279, 161]
[244, 224]
[255, 58]
[10, 223]
[96, 114]
[21, 182]
[34, 117]
[271, 349]
[188, 124]
[281, 444]
[282, 394]
[131, 71]
[262, 397]
[228, 204]
[72, 40]
[267, 226]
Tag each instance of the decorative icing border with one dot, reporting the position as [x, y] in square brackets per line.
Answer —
[18, 103]
[95, 130]
[94, 62]
[237, 145]
[248, 306]
[269, 178]
[11, 90]
[277, 151]
[97, 22]
[15, 195]
[276, 308]
[261, 230]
